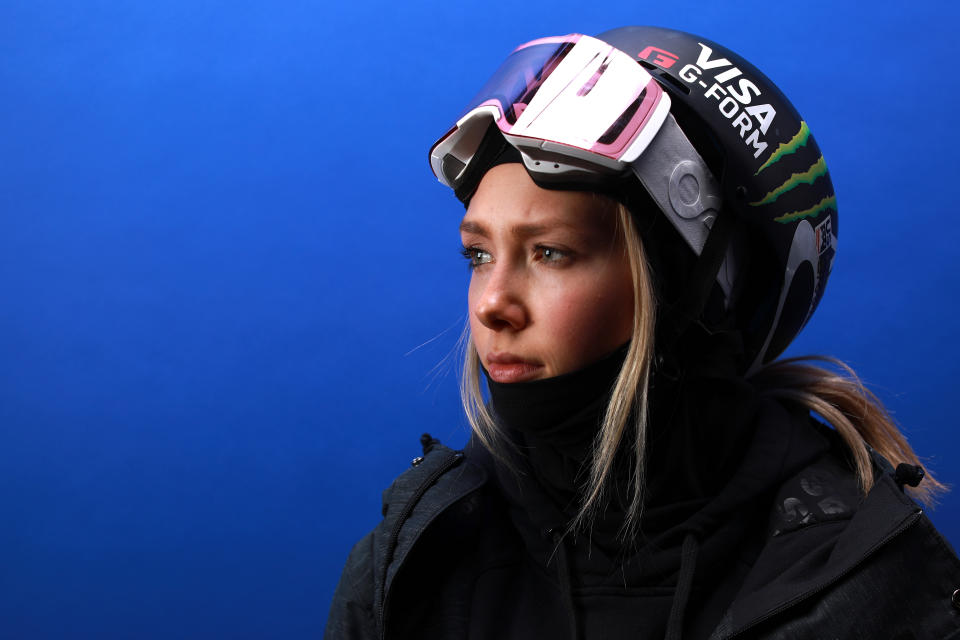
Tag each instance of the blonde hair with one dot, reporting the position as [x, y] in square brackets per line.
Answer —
[842, 400]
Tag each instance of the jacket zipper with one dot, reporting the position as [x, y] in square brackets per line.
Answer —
[395, 532]
[906, 524]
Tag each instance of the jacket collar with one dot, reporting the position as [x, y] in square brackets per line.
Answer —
[410, 505]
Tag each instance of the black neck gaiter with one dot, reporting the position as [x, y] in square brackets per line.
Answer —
[555, 422]
[699, 427]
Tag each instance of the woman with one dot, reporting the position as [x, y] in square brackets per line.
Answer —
[649, 224]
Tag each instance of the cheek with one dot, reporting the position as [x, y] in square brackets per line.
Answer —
[603, 314]
[589, 321]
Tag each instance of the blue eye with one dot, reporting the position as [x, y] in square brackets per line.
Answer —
[550, 254]
[475, 256]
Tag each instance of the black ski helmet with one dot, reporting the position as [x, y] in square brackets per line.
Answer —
[732, 149]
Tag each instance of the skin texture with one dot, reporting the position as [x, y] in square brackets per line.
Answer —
[550, 290]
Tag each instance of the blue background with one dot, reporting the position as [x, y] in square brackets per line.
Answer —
[231, 289]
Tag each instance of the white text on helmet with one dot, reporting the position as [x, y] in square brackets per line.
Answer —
[734, 100]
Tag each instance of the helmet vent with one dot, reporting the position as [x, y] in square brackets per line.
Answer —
[666, 77]
[669, 79]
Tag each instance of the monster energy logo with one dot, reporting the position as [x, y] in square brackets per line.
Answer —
[830, 202]
[786, 148]
[816, 170]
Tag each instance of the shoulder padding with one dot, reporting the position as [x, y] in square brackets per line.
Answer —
[825, 491]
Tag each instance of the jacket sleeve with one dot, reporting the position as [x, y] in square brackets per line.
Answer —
[351, 612]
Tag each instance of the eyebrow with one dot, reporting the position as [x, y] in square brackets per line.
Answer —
[519, 230]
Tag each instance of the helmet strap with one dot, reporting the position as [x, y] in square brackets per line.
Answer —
[703, 278]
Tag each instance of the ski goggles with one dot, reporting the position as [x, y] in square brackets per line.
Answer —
[569, 96]
[579, 110]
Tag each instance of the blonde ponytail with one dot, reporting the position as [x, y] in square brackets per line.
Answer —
[856, 413]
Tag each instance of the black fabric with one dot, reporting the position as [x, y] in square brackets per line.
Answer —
[688, 565]
[709, 472]
[615, 583]
[879, 571]
[554, 423]
[566, 589]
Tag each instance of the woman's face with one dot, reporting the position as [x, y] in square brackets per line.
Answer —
[550, 290]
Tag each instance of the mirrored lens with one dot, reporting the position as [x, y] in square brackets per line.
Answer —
[519, 78]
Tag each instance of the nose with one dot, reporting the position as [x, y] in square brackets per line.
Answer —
[499, 304]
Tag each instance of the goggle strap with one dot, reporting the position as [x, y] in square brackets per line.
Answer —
[679, 181]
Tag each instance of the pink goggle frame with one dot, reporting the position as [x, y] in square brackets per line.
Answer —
[566, 96]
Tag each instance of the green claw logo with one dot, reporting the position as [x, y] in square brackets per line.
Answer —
[829, 202]
[816, 170]
[786, 148]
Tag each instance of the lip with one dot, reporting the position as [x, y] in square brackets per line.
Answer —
[507, 367]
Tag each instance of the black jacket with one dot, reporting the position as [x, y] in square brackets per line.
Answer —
[822, 568]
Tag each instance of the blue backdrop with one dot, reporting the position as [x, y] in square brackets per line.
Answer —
[231, 286]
